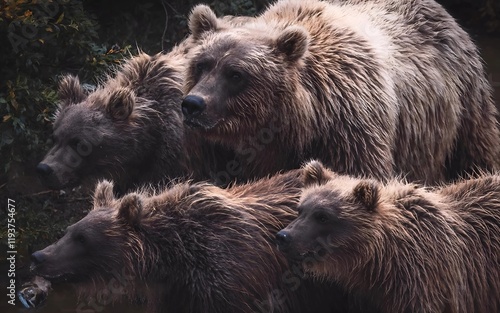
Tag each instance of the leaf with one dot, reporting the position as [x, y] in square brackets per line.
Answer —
[6, 118]
[15, 104]
[61, 17]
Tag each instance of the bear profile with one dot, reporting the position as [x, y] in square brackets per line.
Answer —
[130, 129]
[370, 88]
[191, 248]
[406, 247]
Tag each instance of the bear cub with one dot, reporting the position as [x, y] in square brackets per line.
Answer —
[406, 247]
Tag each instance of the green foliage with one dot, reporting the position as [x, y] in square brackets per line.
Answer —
[43, 39]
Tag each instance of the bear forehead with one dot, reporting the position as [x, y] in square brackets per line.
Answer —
[255, 61]
[91, 223]
[239, 44]
[78, 116]
[317, 197]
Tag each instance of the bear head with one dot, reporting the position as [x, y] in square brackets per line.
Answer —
[335, 215]
[92, 134]
[98, 246]
[240, 77]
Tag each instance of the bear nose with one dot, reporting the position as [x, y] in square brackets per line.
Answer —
[283, 239]
[193, 105]
[37, 257]
[43, 169]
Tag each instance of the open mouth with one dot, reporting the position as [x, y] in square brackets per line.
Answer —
[53, 278]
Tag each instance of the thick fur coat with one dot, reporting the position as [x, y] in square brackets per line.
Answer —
[374, 88]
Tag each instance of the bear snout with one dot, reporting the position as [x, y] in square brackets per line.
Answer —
[193, 106]
[283, 239]
[48, 176]
[38, 257]
[43, 169]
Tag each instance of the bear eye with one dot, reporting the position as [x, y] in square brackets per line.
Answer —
[235, 76]
[321, 218]
[200, 67]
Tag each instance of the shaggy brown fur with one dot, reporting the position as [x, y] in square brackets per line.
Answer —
[192, 248]
[405, 247]
[375, 88]
[130, 128]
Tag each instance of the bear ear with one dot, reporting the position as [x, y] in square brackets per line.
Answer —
[314, 172]
[201, 20]
[293, 42]
[70, 91]
[367, 193]
[103, 195]
[130, 209]
[121, 103]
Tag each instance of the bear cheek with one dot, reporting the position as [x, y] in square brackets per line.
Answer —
[216, 105]
[67, 251]
[315, 239]
[308, 242]
[222, 108]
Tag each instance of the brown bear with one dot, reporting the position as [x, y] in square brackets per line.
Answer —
[191, 248]
[130, 129]
[373, 88]
[405, 247]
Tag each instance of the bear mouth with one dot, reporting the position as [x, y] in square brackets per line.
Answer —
[53, 278]
[57, 278]
[54, 183]
[294, 255]
[200, 124]
[317, 254]
[192, 123]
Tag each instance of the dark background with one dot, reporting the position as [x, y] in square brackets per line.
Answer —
[40, 40]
